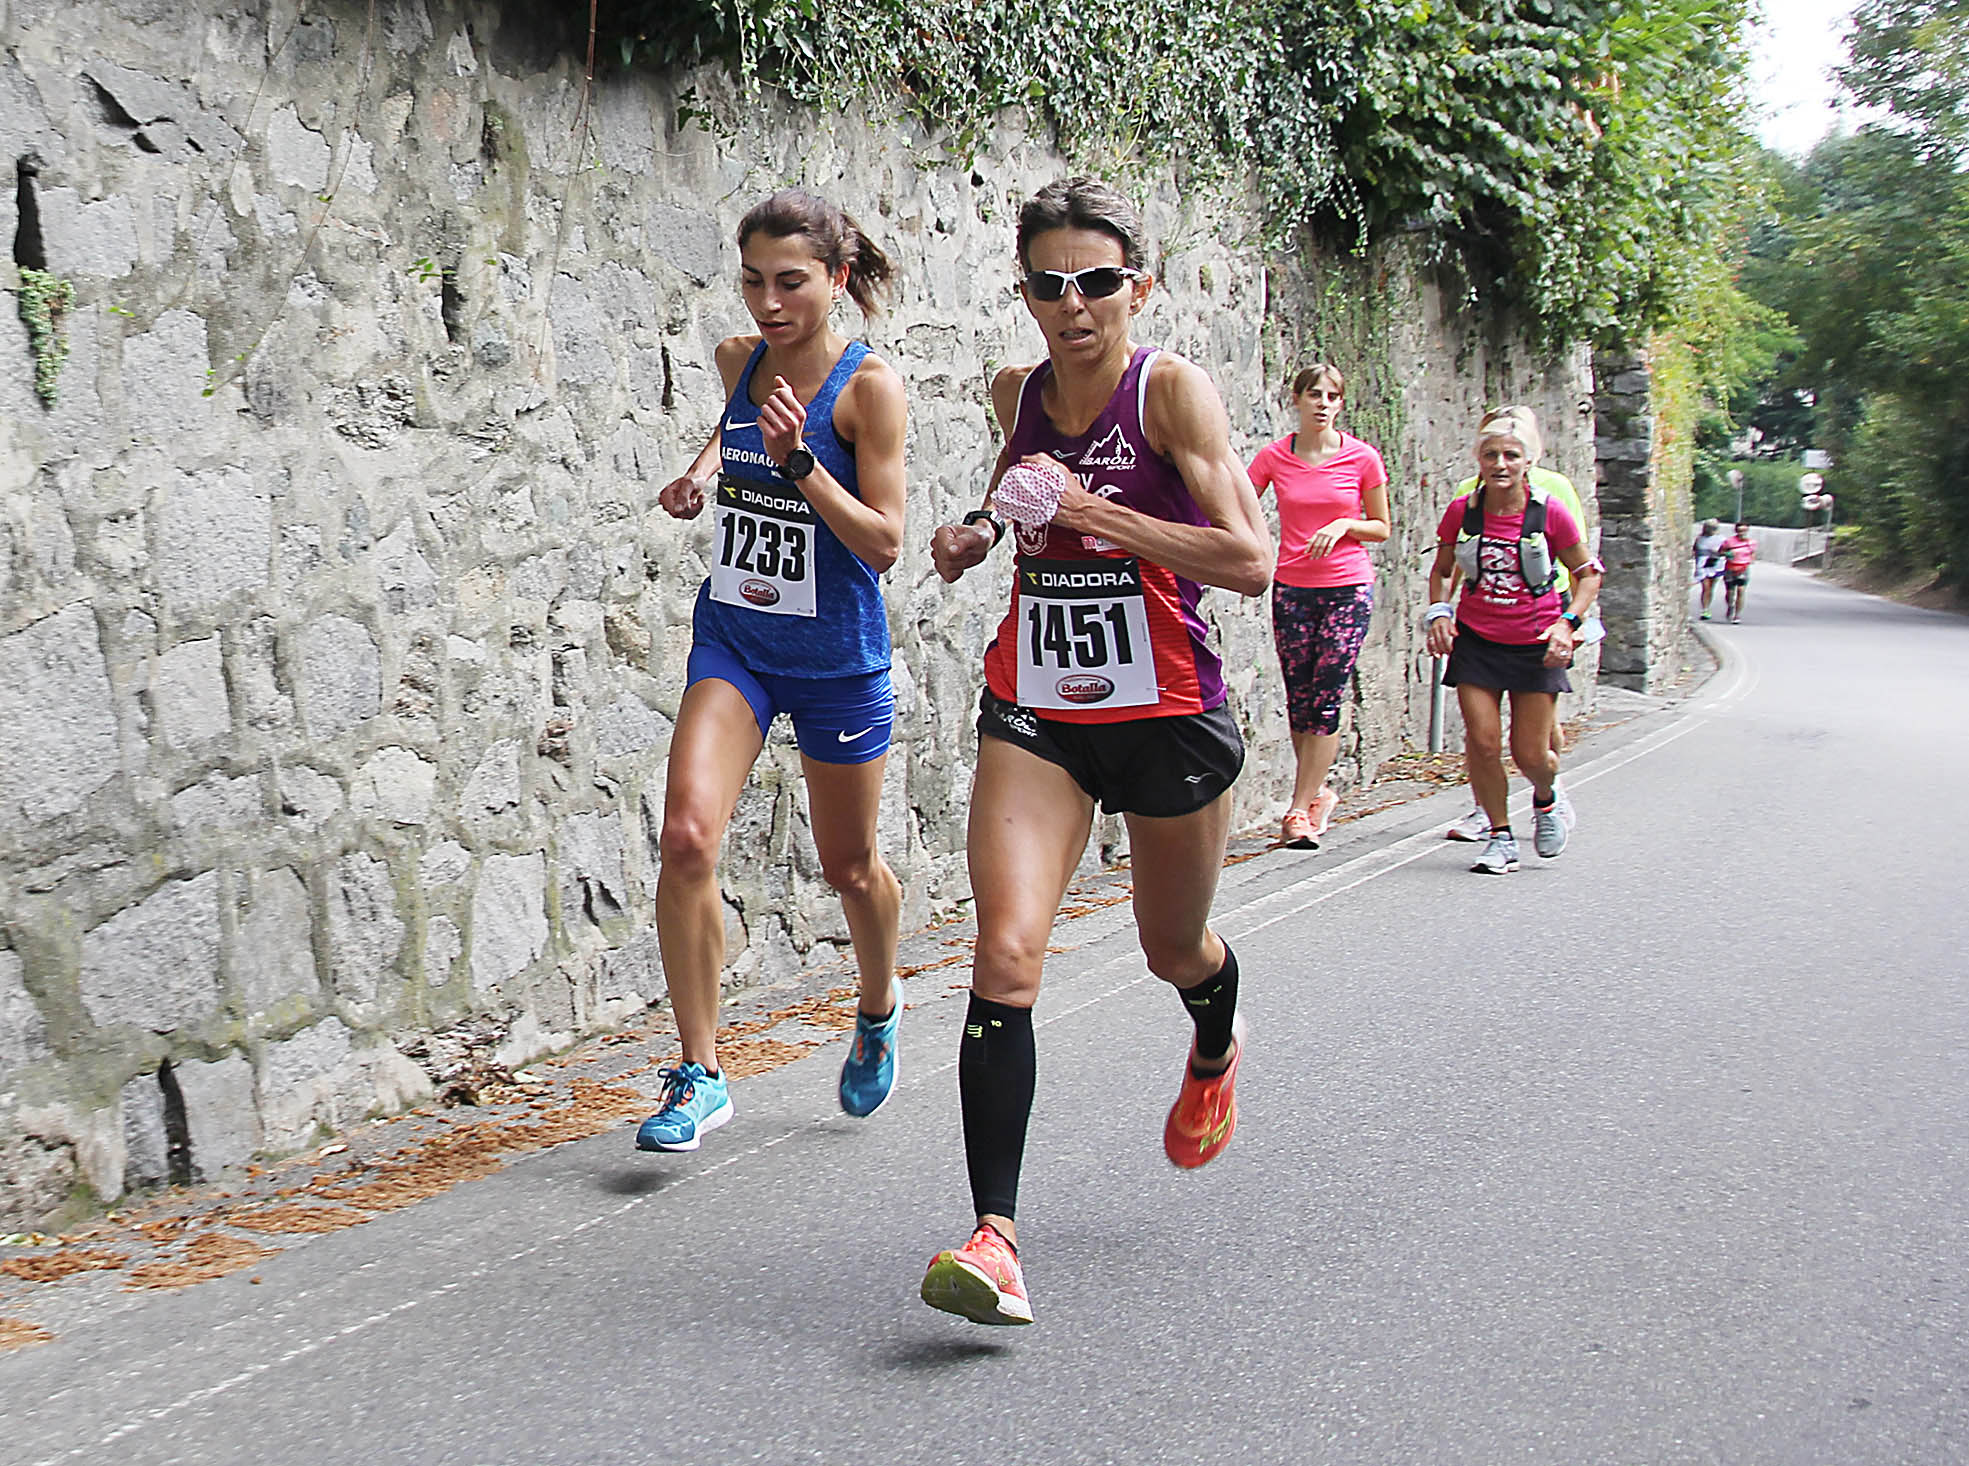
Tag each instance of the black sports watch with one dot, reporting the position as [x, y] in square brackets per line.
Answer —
[1573, 619]
[985, 516]
[799, 463]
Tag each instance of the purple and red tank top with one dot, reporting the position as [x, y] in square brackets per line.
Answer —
[1095, 634]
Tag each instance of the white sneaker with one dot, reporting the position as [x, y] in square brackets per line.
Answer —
[1500, 855]
[1562, 802]
[1473, 827]
[1549, 831]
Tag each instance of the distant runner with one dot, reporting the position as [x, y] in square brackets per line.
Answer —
[1738, 551]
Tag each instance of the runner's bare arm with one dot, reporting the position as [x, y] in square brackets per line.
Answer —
[683, 496]
[1443, 576]
[1186, 423]
[872, 415]
[955, 548]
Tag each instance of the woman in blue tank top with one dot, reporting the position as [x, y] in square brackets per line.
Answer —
[805, 469]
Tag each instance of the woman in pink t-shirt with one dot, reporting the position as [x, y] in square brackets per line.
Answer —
[1332, 504]
[1506, 633]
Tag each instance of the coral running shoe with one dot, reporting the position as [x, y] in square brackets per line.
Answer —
[1204, 1117]
[981, 1280]
[1473, 828]
[1324, 803]
[1297, 831]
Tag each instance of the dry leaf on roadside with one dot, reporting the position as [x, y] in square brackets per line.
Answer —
[209, 1256]
[58, 1265]
[18, 1333]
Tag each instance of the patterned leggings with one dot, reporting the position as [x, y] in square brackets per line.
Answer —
[1319, 631]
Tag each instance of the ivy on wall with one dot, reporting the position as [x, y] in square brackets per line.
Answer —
[45, 301]
[1571, 155]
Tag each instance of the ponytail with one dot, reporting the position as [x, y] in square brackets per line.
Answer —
[836, 238]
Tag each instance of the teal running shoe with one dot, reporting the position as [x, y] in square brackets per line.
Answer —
[869, 1071]
[694, 1104]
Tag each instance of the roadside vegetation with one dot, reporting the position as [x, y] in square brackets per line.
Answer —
[1863, 252]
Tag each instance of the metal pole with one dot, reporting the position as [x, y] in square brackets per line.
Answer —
[1437, 665]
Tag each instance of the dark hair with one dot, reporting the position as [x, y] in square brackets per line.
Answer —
[834, 235]
[1083, 203]
[1313, 374]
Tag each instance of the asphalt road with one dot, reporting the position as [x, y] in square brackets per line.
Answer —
[1651, 1154]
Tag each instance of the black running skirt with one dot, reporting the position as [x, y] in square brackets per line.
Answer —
[1500, 666]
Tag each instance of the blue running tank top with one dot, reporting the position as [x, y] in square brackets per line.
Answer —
[848, 634]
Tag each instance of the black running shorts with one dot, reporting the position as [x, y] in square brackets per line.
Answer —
[1160, 767]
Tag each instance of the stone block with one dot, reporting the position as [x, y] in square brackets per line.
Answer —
[273, 959]
[494, 786]
[341, 675]
[23, 1034]
[365, 933]
[162, 117]
[445, 864]
[146, 1147]
[298, 1080]
[629, 725]
[690, 239]
[442, 946]
[164, 380]
[56, 721]
[216, 804]
[219, 1114]
[213, 536]
[395, 785]
[295, 153]
[582, 331]
[308, 797]
[403, 574]
[90, 238]
[509, 918]
[589, 853]
[156, 964]
[188, 691]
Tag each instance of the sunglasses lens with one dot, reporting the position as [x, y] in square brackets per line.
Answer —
[1097, 283]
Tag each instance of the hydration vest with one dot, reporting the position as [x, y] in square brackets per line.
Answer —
[1534, 550]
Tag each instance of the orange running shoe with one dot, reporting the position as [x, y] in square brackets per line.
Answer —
[1297, 831]
[1321, 809]
[1204, 1117]
[981, 1280]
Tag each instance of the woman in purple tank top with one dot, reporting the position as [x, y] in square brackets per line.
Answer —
[1101, 684]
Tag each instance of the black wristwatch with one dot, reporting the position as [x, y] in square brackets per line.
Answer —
[1573, 619]
[799, 463]
[985, 516]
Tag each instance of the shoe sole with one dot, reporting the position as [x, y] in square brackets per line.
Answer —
[1492, 870]
[709, 1123]
[1452, 833]
[1304, 842]
[957, 1287]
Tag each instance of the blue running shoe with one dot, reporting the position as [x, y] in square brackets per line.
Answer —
[694, 1104]
[869, 1071]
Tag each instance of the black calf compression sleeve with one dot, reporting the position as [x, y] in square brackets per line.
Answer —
[995, 1067]
[1213, 1004]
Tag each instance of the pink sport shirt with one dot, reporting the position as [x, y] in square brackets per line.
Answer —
[1310, 498]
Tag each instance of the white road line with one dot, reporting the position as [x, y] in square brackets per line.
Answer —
[1740, 680]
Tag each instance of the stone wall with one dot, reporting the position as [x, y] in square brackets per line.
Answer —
[340, 633]
[1647, 529]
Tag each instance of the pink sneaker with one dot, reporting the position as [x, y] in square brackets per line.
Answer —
[981, 1280]
[1297, 831]
[1323, 806]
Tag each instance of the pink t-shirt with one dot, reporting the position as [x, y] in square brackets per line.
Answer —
[1310, 498]
[1738, 553]
[1498, 604]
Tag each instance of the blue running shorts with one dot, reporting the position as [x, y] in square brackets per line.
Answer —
[837, 720]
